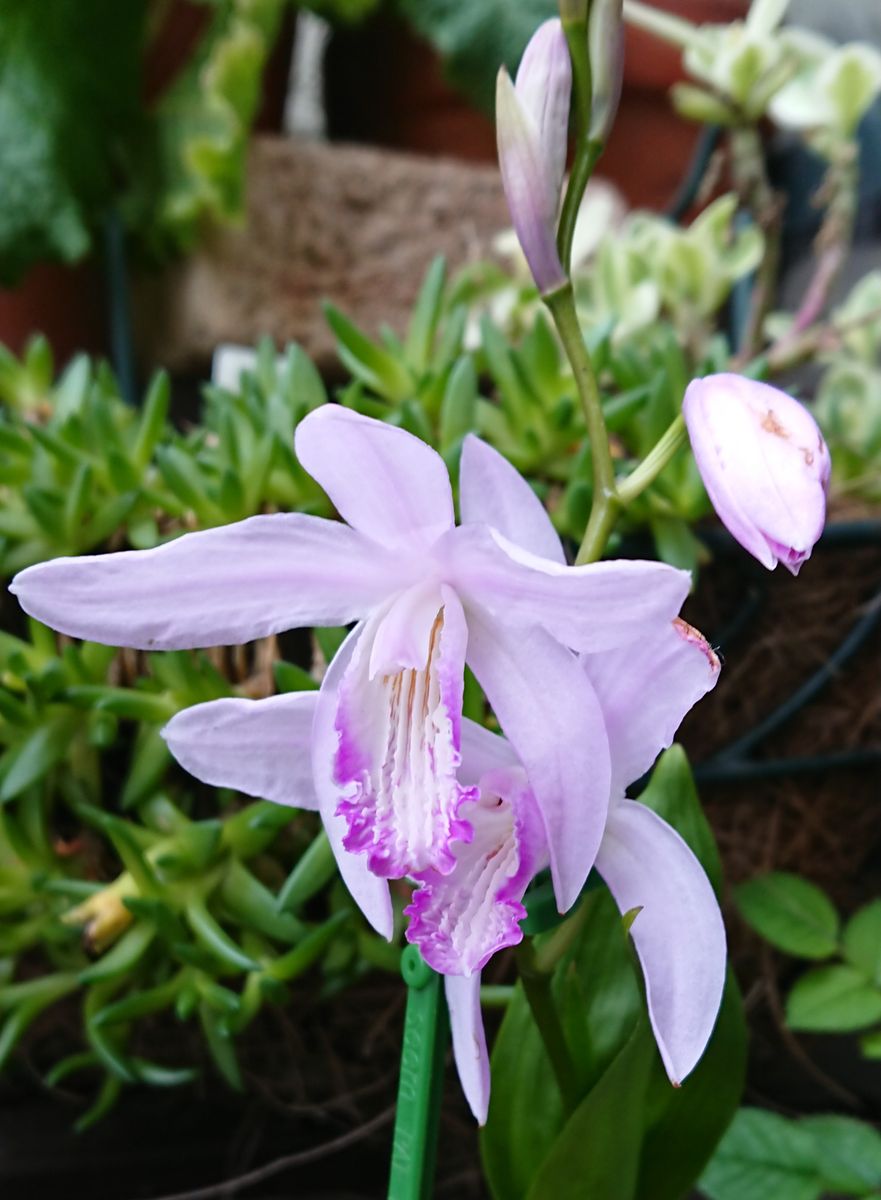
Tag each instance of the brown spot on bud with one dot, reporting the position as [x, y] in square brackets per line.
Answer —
[772, 425]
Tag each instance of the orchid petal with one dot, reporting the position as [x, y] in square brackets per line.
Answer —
[645, 690]
[594, 607]
[544, 86]
[403, 636]
[492, 492]
[482, 751]
[678, 932]
[382, 480]
[459, 920]
[550, 714]
[469, 1041]
[399, 751]
[369, 892]
[217, 587]
[529, 189]
[260, 747]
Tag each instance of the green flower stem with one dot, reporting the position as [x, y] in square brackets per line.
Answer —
[650, 468]
[561, 305]
[537, 986]
[586, 151]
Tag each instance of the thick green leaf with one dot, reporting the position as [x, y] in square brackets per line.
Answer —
[833, 999]
[525, 1111]
[848, 1153]
[425, 316]
[691, 1119]
[596, 1157]
[763, 1157]
[862, 941]
[791, 913]
[29, 761]
[673, 796]
[598, 989]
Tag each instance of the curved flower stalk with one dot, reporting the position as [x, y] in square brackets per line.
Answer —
[429, 597]
[532, 127]
[764, 464]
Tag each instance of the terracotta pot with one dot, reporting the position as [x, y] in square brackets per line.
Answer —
[65, 303]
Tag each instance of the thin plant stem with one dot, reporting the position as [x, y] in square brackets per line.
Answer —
[653, 464]
[537, 986]
[561, 305]
[586, 151]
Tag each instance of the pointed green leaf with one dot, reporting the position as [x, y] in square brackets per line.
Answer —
[791, 913]
[833, 999]
[597, 1153]
[763, 1156]
[862, 941]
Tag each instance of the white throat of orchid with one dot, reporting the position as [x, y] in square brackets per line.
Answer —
[400, 737]
[460, 919]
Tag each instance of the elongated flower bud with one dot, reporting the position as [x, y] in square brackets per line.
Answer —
[764, 464]
[532, 119]
[606, 33]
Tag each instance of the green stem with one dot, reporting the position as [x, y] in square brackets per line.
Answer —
[653, 464]
[537, 987]
[582, 168]
[561, 305]
[586, 151]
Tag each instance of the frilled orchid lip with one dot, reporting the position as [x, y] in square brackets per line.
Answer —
[459, 919]
[399, 744]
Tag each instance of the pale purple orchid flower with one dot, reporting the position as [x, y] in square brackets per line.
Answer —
[264, 748]
[532, 129]
[459, 920]
[494, 592]
[764, 464]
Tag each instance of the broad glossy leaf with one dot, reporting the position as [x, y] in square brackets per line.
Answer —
[596, 1156]
[692, 1118]
[862, 941]
[763, 1156]
[525, 1112]
[791, 913]
[833, 999]
[848, 1153]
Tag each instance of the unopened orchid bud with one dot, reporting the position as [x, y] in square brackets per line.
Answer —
[532, 121]
[764, 464]
[606, 34]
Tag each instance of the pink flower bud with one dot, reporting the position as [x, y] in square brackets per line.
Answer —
[532, 123]
[764, 464]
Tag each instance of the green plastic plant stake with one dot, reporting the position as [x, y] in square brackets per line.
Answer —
[414, 1146]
